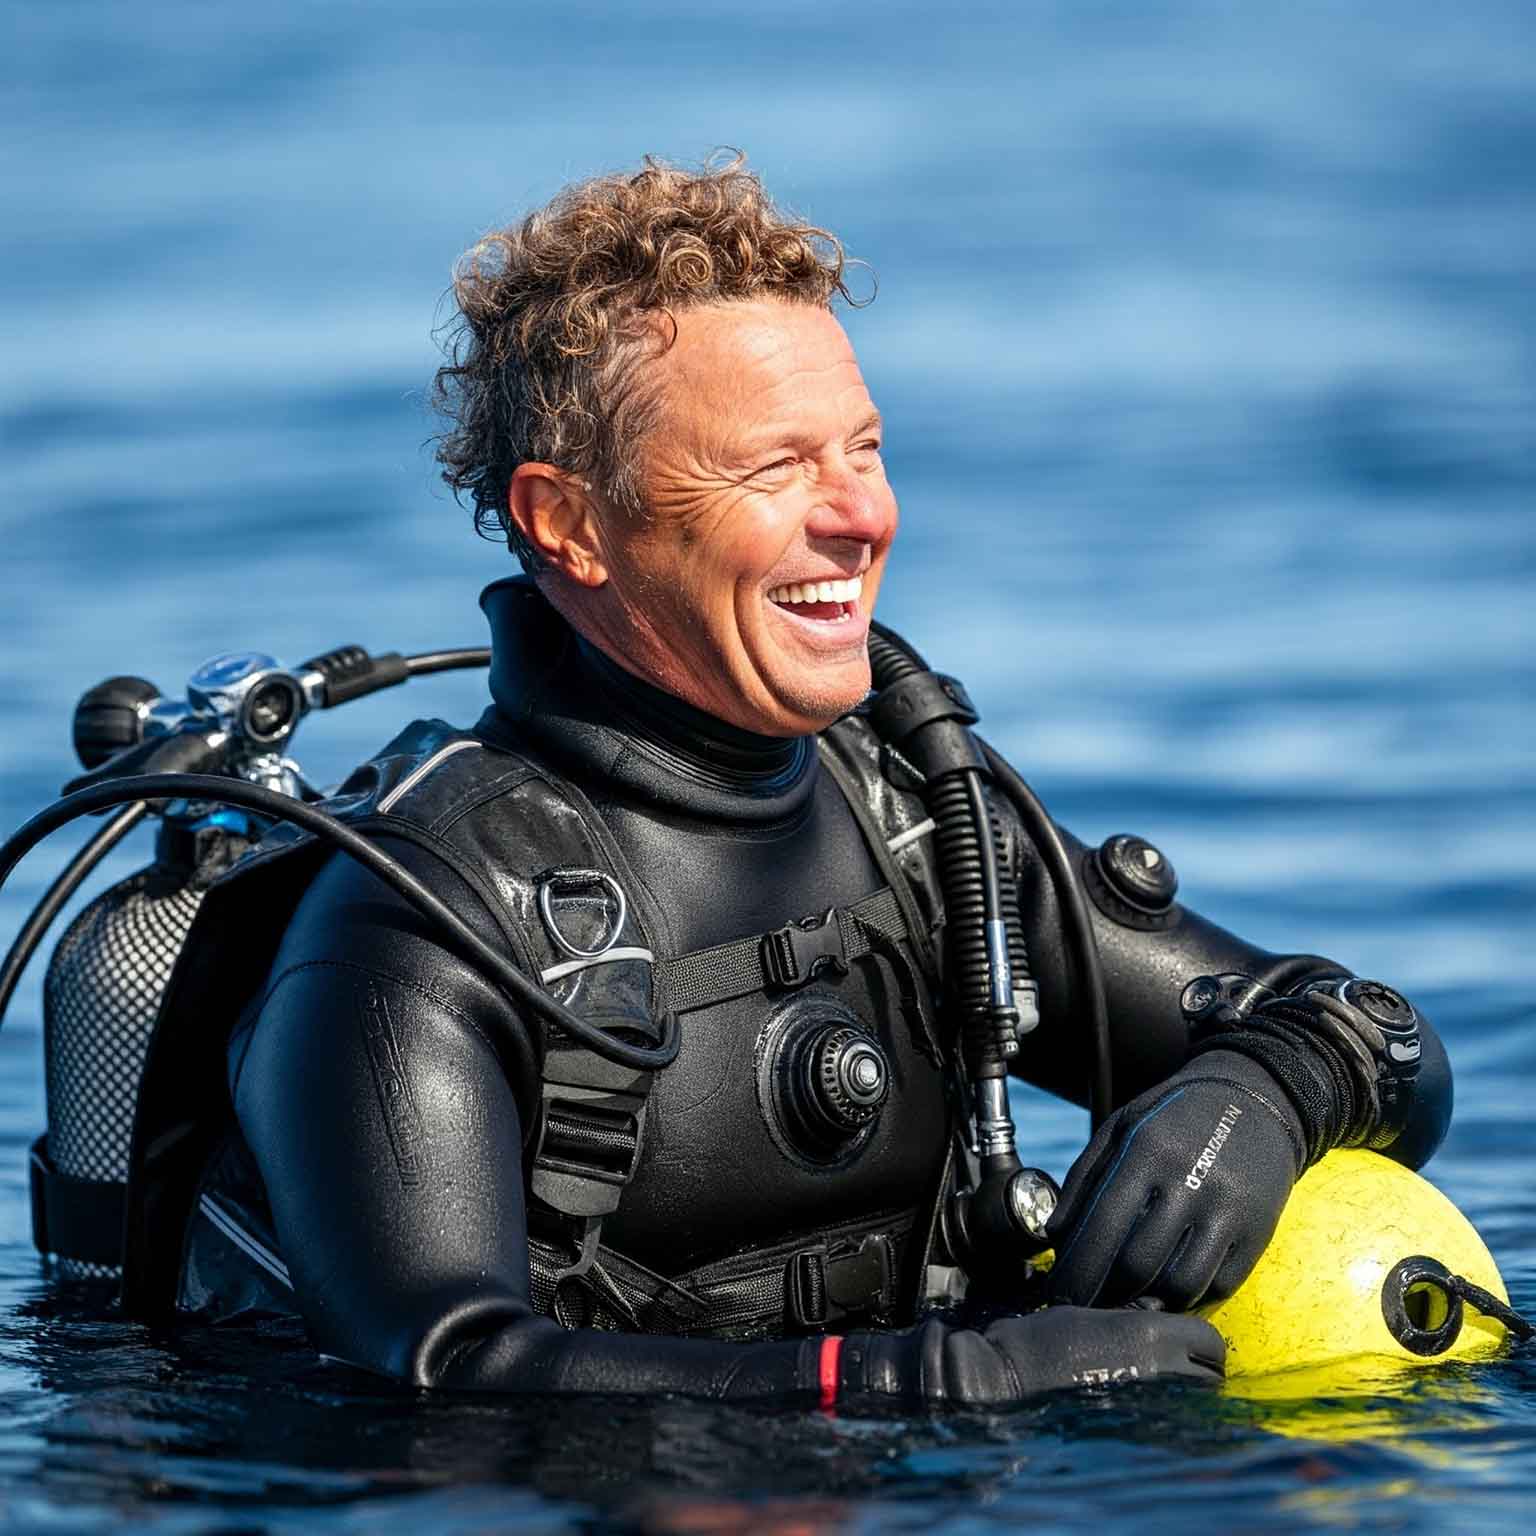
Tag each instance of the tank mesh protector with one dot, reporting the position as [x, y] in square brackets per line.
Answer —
[100, 999]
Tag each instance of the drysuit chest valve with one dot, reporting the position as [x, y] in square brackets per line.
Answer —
[839, 1080]
[827, 1079]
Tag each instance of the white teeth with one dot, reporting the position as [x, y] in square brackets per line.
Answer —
[819, 591]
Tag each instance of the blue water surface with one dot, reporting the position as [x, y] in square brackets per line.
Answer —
[1206, 336]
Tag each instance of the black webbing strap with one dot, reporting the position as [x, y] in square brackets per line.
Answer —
[786, 958]
[918, 982]
[574, 1133]
[76, 1218]
[793, 1287]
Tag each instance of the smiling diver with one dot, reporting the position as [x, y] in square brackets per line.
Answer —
[816, 929]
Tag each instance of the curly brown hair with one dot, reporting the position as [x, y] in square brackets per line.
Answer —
[555, 313]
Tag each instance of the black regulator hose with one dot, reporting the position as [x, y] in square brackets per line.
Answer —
[70, 879]
[998, 1217]
[280, 807]
[973, 890]
[1078, 925]
[448, 661]
[977, 901]
[351, 672]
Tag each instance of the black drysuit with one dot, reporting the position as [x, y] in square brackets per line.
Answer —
[385, 1091]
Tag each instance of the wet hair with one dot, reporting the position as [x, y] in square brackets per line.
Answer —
[557, 313]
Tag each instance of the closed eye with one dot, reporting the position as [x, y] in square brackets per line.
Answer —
[770, 471]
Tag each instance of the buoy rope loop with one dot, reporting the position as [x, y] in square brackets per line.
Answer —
[1420, 1328]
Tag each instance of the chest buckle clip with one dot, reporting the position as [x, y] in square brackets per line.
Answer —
[800, 951]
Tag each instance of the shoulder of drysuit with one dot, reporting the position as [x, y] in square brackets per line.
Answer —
[427, 788]
[427, 781]
[892, 788]
[432, 775]
[433, 778]
[500, 815]
[488, 816]
[889, 787]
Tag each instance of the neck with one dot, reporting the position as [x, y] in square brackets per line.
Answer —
[674, 725]
[581, 705]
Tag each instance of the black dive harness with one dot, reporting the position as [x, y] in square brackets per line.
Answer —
[596, 1079]
[591, 1131]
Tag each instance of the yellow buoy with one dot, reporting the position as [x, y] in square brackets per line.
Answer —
[1357, 1271]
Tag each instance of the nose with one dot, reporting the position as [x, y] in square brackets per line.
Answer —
[853, 506]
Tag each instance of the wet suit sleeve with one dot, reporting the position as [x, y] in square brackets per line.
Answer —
[1146, 970]
[1180, 1188]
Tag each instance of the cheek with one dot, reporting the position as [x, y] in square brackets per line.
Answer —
[729, 568]
[761, 531]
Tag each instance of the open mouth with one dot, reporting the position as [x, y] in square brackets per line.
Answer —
[826, 601]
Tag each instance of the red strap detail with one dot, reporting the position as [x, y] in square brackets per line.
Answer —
[831, 1352]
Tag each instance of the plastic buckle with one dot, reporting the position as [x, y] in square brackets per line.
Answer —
[591, 1130]
[805, 1290]
[799, 952]
[821, 1288]
[861, 1281]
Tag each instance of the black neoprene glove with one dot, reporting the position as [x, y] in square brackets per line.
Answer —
[1178, 1192]
[1016, 1357]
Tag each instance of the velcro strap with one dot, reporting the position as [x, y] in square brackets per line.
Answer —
[784, 959]
[76, 1218]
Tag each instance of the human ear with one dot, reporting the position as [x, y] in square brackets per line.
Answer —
[555, 512]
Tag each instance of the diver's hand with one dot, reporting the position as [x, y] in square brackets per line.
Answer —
[1179, 1191]
[1018, 1356]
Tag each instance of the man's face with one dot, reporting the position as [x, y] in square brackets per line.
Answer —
[763, 482]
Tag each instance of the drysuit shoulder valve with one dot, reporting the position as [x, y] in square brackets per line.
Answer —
[1368, 1273]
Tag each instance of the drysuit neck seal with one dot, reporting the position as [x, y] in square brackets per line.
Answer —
[606, 725]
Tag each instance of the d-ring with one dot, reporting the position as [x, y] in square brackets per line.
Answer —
[578, 878]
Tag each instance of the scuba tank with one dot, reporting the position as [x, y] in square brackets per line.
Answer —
[101, 995]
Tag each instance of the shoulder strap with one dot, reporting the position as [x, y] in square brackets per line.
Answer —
[420, 789]
[882, 847]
